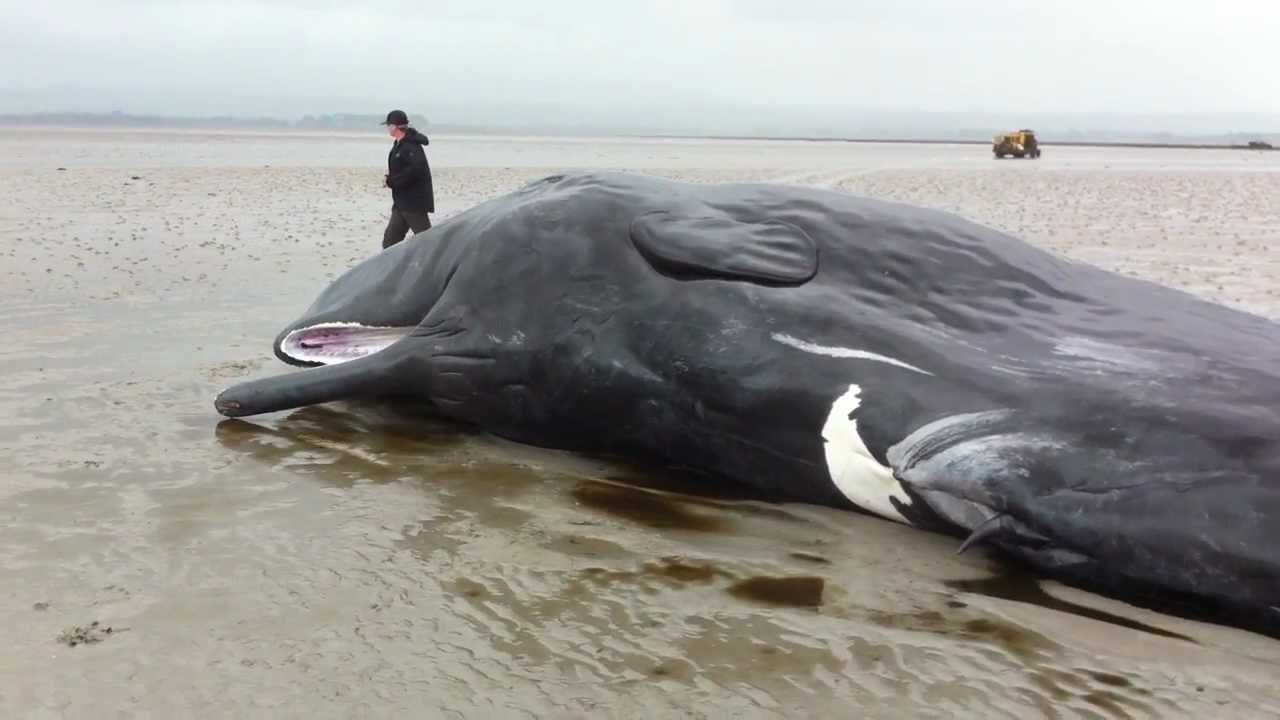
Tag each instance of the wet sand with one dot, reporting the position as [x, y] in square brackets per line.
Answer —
[368, 560]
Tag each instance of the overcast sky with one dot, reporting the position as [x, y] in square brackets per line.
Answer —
[446, 57]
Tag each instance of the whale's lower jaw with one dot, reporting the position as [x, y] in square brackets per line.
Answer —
[332, 343]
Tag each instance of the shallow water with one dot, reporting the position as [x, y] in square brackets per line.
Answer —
[369, 559]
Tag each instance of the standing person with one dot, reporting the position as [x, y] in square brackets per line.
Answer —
[409, 177]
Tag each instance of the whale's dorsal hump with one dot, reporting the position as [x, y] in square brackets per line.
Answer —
[769, 252]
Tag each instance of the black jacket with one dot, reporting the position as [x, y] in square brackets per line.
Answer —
[409, 175]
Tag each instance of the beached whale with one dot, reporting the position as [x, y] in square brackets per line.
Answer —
[831, 349]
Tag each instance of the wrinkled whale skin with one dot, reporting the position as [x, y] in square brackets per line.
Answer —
[832, 349]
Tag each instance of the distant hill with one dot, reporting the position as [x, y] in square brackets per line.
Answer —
[71, 119]
[125, 120]
[342, 122]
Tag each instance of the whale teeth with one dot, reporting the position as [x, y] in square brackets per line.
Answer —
[340, 342]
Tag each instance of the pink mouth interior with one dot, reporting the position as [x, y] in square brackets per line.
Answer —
[333, 343]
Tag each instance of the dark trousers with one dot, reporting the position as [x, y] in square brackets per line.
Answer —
[401, 222]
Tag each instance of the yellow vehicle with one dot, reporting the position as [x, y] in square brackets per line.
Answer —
[1019, 144]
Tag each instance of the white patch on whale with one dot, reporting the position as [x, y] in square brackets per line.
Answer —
[1103, 357]
[855, 472]
[333, 343]
[840, 352]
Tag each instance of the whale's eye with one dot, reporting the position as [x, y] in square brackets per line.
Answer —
[770, 252]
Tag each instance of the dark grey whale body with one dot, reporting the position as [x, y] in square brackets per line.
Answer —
[837, 350]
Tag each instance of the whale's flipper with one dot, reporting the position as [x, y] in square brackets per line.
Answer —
[769, 252]
[1003, 530]
[1131, 511]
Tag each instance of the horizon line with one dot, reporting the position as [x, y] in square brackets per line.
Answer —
[867, 140]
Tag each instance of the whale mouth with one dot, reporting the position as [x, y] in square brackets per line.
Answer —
[338, 342]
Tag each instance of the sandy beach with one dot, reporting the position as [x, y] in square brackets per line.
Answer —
[367, 560]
